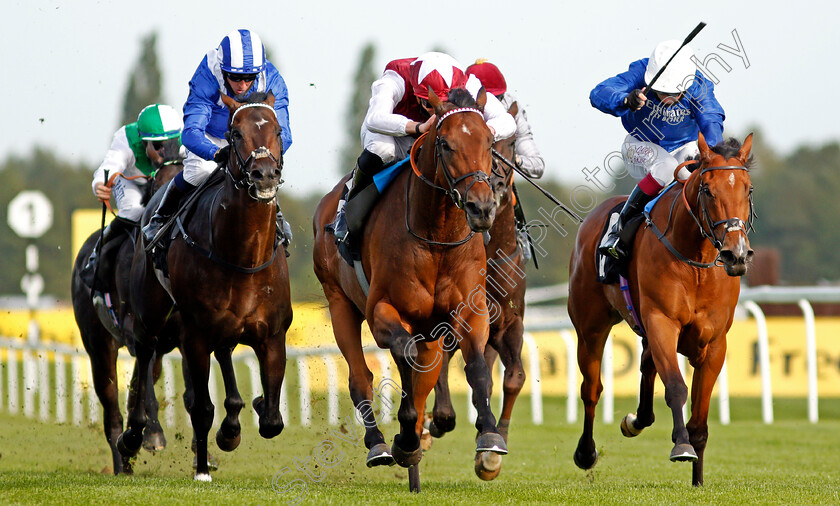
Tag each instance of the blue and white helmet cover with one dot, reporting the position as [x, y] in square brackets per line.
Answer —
[242, 52]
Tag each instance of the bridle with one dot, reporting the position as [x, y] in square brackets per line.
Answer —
[440, 165]
[245, 180]
[705, 223]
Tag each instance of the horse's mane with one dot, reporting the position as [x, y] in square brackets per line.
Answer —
[461, 98]
[253, 98]
[728, 148]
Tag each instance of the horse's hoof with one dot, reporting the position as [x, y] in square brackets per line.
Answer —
[270, 429]
[212, 464]
[585, 462]
[380, 455]
[128, 447]
[488, 465]
[628, 427]
[491, 442]
[406, 458]
[205, 477]
[227, 444]
[503, 426]
[683, 453]
[154, 441]
[425, 440]
[434, 431]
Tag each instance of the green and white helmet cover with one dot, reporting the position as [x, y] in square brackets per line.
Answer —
[159, 122]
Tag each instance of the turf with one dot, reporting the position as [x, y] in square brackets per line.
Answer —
[747, 462]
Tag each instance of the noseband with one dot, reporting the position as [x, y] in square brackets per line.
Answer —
[245, 180]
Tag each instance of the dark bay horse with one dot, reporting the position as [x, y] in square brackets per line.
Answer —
[684, 287]
[102, 345]
[505, 291]
[425, 265]
[229, 281]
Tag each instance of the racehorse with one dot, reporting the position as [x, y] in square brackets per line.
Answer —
[424, 264]
[684, 283]
[227, 247]
[102, 345]
[506, 291]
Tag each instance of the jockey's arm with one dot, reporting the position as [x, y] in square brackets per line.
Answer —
[608, 96]
[281, 104]
[528, 156]
[386, 93]
[496, 116]
[118, 158]
[707, 109]
[204, 91]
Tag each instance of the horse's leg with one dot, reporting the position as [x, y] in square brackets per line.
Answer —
[590, 351]
[704, 380]
[271, 353]
[510, 352]
[229, 434]
[130, 441]
[347, 327]
[153, 438]
[387, 329]
[429, 358]
[479, 379]
[443, 414]
[189, 402]
[103, 363]
[197, 360]
[633, 424]
[663, 333]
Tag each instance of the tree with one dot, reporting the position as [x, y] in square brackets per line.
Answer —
[144, 82]
[355, 115]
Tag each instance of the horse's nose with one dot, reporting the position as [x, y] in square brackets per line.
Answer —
[260, 173]
[480, 214]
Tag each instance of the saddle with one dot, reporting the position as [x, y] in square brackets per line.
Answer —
[610, 268]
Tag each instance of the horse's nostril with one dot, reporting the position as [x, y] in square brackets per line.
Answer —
[256, 175]
[472, 208]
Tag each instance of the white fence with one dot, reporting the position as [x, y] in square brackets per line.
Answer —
[60, 375]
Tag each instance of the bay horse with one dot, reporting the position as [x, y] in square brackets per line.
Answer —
[103, 343]
[229, 281]
[425, 264]
[506, 285]
[684, 283]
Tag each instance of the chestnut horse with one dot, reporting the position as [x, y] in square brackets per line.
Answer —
[425, 264]
[684, 284]
[102, 345]
[506, 292]
[229, 281]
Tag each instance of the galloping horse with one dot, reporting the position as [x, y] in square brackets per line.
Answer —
[102, 346]
[505, 290]
[683, 282]
[229, 281]
[425, 266]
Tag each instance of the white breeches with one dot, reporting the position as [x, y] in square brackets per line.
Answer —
[643, 158]
[197, 169]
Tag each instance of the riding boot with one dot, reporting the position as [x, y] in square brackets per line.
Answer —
[367, 166]
[612, 244]
[167, 207]
[106, 257]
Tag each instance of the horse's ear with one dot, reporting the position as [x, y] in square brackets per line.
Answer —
[231, 104]
[705, 152]
[513, 110]
[269, 99]
[746, 147]
[481, 99]
[434, 99]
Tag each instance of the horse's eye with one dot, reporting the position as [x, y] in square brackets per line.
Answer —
[235, 135]
[445, 145]
[706, 191]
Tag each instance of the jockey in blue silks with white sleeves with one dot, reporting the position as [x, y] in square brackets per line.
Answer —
[663, 126]
[238, 68]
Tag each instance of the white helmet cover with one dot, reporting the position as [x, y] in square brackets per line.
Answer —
[679, 74]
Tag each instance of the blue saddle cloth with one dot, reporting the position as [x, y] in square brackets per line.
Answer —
[387, 175]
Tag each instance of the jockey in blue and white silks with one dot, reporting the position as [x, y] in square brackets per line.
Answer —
[238, 68]
[662, 124]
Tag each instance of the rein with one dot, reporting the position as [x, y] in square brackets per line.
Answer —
[733, 224]
[451, 181]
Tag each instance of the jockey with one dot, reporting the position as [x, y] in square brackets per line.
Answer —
[527, 155]
[663, 126]
[131, 152]
[238, 68]
[399, 112]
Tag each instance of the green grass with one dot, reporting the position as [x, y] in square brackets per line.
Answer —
[747, 462]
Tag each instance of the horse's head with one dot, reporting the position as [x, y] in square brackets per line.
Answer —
[502, 172]
[254, 137]
[724, 207]
[463, 155]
